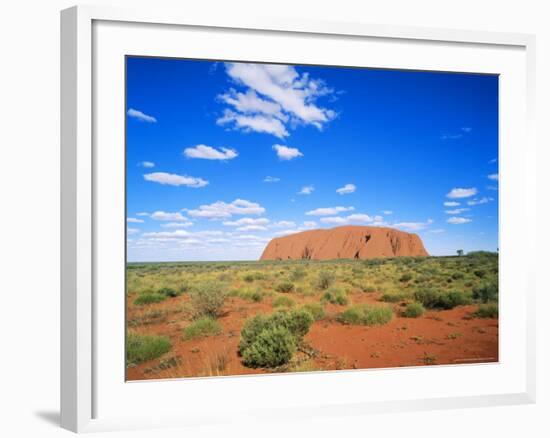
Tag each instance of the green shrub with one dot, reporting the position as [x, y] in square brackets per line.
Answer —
[367, 288]
[457, 276]
[364, 314]
[405, 277]
[283, 301]
[335, 296]
[489, 310]
[433, 299]
[249, 278]
[270, 341]
[479, 273]
[394, 297]
[169, 292]
[325, 279]
[285, 287]
[317, 311]
[149, 298]
[486, 292]
[413, 310]
[298, 274]
[202, 327]
[141, 348]
[207, 299]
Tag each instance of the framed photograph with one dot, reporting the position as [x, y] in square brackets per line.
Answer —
[341, 212]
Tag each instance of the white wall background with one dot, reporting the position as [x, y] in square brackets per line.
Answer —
[29, 214]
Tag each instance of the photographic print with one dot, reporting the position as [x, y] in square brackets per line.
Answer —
[304, 218]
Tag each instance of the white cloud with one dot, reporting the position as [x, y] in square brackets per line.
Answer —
[414, 226]
[458, 220]
[284, 224]
[352, 218]
[142, 213]
[436, 231]
[387, 212]
[494, 160]
[172, 179]
[147, 164]
[274, 95]
[131, 231]
[205, 152]
[348, 188]
[271, 179]
[451, 204]
[493, 177]
[310, 224]
[165, 216]
[306, 190]
[253, 123]
[462, 192]
[252, 228]
[177, 224]
[133, 220]
[480, 201]
[141, 116]
[328, 211]
[286, 153]
[456, 210]
[247, 221]
[337, 220]
[221, 210]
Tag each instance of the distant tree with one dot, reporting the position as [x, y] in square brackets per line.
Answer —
[460, 252]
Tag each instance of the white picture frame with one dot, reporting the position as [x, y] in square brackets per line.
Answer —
[82, 323]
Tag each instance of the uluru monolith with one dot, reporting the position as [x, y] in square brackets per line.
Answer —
[347, 242]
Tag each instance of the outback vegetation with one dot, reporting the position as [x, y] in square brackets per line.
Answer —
[226, 318]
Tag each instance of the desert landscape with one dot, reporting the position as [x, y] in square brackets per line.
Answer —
[385, 303]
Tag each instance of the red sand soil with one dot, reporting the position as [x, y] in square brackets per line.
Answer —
[437, 337]
[348, 242]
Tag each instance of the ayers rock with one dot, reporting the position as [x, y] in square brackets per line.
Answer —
[348, 242]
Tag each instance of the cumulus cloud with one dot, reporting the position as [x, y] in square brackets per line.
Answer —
[348, 188]
[306, 190]
[252, 228]
[165, 216]
[387, 212]
[414, 226]
[177, 224]
[134, 220]
[146, 164]
[247, 221]
[328, 211]
[273, 96]
[458, 220]
[462, 192]
[205, 152]
[456, 210]
[140, 116]
[493, 177]
[131, 231]
[352, 218]
[142, 213]
[222, 210]
[286, 153]
[310, 224]
[284, 224]
[451, 204]
[172, 179]
[476, 201]
[271, 179]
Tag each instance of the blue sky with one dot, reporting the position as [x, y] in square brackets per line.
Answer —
[221, 157]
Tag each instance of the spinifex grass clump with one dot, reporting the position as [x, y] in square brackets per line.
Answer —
[207, 299]
[285, 287]
[486, 292]
[364, 314]
[394, 297]
[413, 310]
[141, 348]
[316, 310]
[335, 295]
[149, 298]
[489, 310]
[283, 301]
[435, 299]
[270, 341]
[202, 327]
[325, 279]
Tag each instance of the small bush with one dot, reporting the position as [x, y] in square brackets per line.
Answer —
[367, 288]
[405, 277]
[298, 274]
[489, 310]
[413, 310]
[202, 327]
[457, 276]
[169, 292]
[325, 280]
[249, 278]
[283, 301]
[394, 297]
[285, 287]
[207, 299]
[364, 314]
[433, 299]
[486, 292]
[149, 298]
[335, 296]
[270, 341]
[141, 348]
[317, 311]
